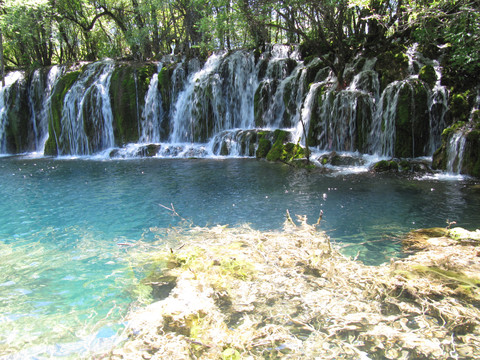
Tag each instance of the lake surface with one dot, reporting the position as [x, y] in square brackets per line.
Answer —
[65, 280]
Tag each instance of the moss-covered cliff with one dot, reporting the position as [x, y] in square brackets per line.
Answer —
[129, 84]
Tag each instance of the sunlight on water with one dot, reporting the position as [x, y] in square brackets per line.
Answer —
[67, 226]
[58, 288]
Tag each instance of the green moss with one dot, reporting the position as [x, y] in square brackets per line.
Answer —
[385, 165]
[292, 152]
[275, 153]
[315, 129]
[164, 86]
[128, 87]
[471, 156]
[392, 65]
[412, 120]
[404, 165]
[313, 69]
[283, 150]
[427, 74]
[264, 146]
[439, 160]
[54, 122]
[459, 107]
[17, 122]
[260, 105]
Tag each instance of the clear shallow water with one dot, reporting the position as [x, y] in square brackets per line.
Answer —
[65, 283]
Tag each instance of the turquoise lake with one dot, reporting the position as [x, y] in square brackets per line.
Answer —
[65, 277]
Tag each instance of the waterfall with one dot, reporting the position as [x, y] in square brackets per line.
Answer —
[36, 96]
[219, 107]
[237, 88]
[438, 107]
[87, 107]
[5, 103]
[455, 150]
[280, 94]
[383, 128]
[304, 124]
[342, 118]
[40, 103]
[218, 97]
[183, 119]
[153, 112]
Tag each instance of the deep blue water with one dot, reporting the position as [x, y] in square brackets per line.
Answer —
[65, 283]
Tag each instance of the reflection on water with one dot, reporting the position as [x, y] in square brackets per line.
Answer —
[65, 282]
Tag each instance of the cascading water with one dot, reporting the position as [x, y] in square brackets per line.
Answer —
[87, 106]
[152, 113]
[438, 107]
[220, 108]
[455, 150]
[40, 104]
[343, 117]
[5, 102]
[183, 120]
[215, 101]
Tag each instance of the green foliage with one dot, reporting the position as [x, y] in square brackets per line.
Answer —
[43, 32]
[427, 74]
[459, 107]
[455, 27]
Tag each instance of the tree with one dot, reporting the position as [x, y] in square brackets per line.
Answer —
[2, 61]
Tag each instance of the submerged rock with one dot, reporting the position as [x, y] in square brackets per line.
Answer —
[337, 159]
[385, 165]
[240, 293]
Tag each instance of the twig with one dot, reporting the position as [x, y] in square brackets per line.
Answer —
[196, 342]
[289, 219]
[172, 209]
[319, 218]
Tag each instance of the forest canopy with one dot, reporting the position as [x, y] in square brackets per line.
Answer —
[45, 32]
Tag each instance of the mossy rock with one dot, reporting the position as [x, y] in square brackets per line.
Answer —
[128, 87]
[459, 107]
[317, 127]
[439, 159]
[149, 150]
[428, 75]
[264, 146]
[405, 165]
[385, 165]
[282, 150]
[248, 139]
[18, 119]
[471, 155]
[292, 152]
[261, 103]
[412, 120]
[313, 68]
[279, 137]
[64, 84]
[392, 65]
